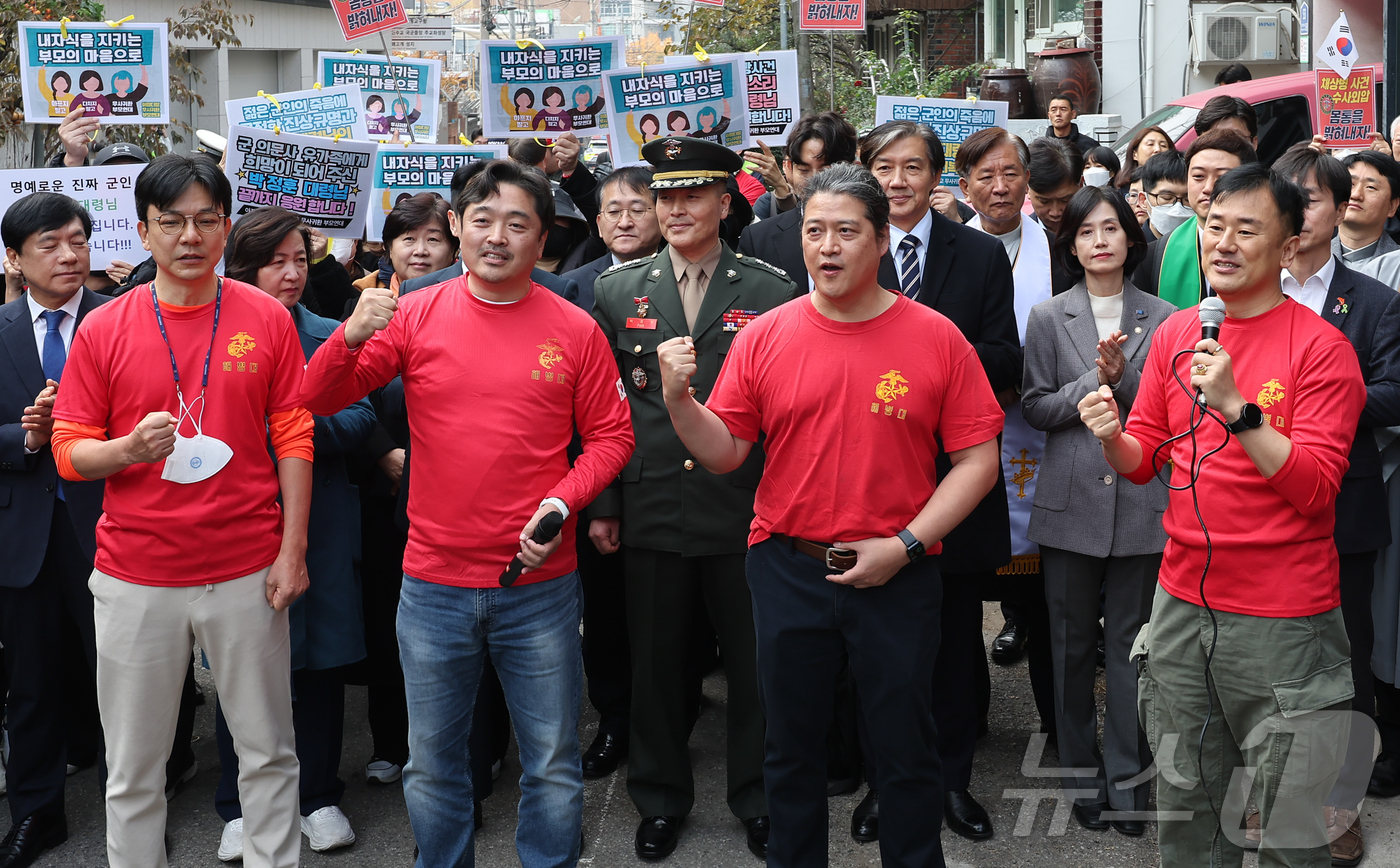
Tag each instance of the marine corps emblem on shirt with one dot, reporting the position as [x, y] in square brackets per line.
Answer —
[1270, 395]
[639, 378]
[891, 386]
[241, 345]
[553, 353]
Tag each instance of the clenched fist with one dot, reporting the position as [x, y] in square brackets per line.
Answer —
[678, 365]
[1099, 413]
[372, 313]
[153, 439]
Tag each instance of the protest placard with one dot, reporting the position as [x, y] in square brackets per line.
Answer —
[400, 95]
[330, 111]
[116, 73]
[366, 17]
[770, 78]
[401, 171]
[106, 193]
[326, 183]
[953, 119]
[700, 100]
[1346, 107]
[548, 87]
[832, 15]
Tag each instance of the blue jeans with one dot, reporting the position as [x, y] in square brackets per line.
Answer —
[532, 633]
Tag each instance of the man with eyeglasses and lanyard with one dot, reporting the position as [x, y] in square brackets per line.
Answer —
[171, 394]
[684, 531]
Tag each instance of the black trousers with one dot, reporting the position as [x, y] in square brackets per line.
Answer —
[38, 624]
[1358, 577]
[806, 626]
[318, 718]
[607, 657]
[381, 570]
[490, 736]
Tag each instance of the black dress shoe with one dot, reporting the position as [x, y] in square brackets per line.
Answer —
[1010, 644]
[31, 837]
[602, 757]
[1131, 828]
[657, 837]
[965, 816]
[1385, 777]
[865, 819]
[1089, 816]
[757, 834]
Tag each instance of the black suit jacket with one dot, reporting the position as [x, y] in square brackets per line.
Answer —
[1368, 313]
[565, 289]
[967, 278]
[29, 483]
[585, 276]
[778, 241]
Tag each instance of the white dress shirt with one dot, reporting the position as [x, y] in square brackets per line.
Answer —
[921, 231]
[1312, 293]
[66, 328]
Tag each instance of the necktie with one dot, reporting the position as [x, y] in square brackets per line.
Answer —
[910, 275]
[691, 294]
[54, 356]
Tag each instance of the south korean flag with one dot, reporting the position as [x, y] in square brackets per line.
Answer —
[1338, 51]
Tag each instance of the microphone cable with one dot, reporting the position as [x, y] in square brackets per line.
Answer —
[1200, 411]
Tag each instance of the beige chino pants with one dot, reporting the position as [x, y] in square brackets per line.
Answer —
[144, 637]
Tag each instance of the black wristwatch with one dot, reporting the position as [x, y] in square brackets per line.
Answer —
[912, 546]
[1250, 417]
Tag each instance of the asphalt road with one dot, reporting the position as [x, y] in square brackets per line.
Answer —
[1032, 827]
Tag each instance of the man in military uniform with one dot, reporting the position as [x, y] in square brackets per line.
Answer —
[684, 531]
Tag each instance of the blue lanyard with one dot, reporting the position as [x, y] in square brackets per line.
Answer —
[160, 320]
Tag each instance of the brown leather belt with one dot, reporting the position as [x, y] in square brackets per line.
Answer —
[840, 560]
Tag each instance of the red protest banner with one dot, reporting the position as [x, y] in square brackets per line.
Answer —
[718, 3]
[366, 17]
[832, 15]
[1346, 107]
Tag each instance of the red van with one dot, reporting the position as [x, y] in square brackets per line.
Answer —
[1285, 104]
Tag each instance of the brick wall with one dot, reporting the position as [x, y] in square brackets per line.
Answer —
[1093, 29]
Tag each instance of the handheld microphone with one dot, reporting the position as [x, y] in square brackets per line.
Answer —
[1212, 313]
[547, 529]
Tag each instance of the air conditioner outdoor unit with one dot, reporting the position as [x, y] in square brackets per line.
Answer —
[1244, 32]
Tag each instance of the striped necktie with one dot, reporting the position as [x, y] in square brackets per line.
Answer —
[910, 275]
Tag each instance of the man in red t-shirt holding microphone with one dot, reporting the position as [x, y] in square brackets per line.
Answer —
[1249, 578]
[856, 389]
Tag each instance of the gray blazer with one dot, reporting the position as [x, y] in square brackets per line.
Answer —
[1081, 504]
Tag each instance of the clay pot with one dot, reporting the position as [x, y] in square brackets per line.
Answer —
[1070, 71]
[1013, 87]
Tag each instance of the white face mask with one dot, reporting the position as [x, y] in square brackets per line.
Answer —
[1096, 176]
[342, 249]
[196, 458]
[1166, 218]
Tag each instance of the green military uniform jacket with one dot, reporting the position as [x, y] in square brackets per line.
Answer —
[666, 500]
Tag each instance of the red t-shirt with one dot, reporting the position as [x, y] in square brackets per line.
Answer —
[155, 532]
[1272, 553]
[493, 394]
[855, 414]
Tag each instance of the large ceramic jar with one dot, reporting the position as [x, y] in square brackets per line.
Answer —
[1070, 71]
[1012, 86]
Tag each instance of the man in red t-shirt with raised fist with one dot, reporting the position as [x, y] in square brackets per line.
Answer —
[856, 389]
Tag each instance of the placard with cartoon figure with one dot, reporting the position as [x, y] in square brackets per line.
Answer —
[544, 88]
[401, 171]
[118, 74]
[770, 78]
[400, 95]
[701, 100]
[326, 111]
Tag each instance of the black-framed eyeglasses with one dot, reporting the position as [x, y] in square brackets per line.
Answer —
[1165, 198]
[204, 221]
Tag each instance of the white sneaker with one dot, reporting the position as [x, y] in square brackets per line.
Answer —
[231, 841]
[328, 829]
[378, 771]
